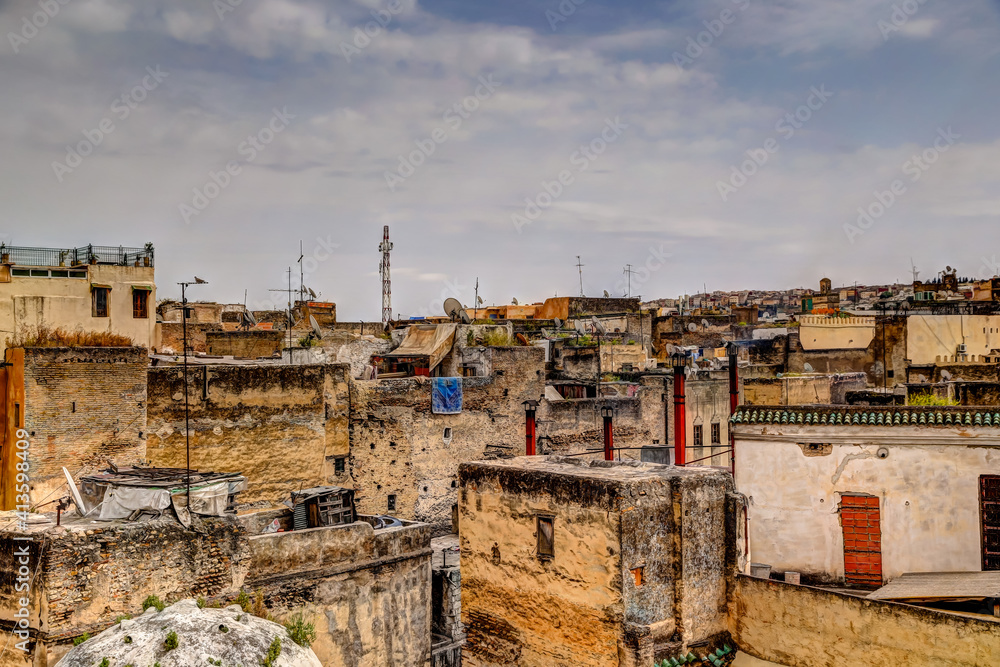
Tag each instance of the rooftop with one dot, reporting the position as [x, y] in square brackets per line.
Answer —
[88, 254]
[847, 415]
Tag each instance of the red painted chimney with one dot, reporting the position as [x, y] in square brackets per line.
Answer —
[680, 416]
[609, 437]
[529, 427]
[734, 399]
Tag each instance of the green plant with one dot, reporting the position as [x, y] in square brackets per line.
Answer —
[82, 638]
[244, 601]
[302, 633]
[171, 642]
[470, 338]
[497, 338]
[105, 663]
[223, 629]
[308, 341]
[609, 377]
[128, 639]
[153, 601]
[123, 617]
[201, 603]
[46, 336]
[930, 400]
[259, 608]
[215, 661]
[272, 653]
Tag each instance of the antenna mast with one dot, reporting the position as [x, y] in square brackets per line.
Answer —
[302, 276]
[628, 272]
[383, 269]
[579, 267]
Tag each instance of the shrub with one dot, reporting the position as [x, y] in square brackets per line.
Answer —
[105, 663]
[497, 338]
[272, 653]
[123, 617]
[46, 336]
[153, 601]
[244, 601]
[930, 399]
[171, 642]
[128, 639]
[201, 603]
[259, 608]
[82, 638]
[302, 633]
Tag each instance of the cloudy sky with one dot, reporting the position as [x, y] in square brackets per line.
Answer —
[727, 143]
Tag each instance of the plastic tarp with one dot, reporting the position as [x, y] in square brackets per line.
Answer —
[446, 396]
[121, 501]
[426, 340]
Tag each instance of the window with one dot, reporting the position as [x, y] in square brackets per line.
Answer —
[637, 573]
[392, 502]
[716, 433]
[140, 303]
[699, 436]
[101, 299]
[340, 464]
[546, 537]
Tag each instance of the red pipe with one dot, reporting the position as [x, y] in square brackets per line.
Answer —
[680, 418]
[609, 440]
[529, 430]
[734, 400]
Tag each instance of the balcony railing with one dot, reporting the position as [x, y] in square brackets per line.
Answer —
[89, 254]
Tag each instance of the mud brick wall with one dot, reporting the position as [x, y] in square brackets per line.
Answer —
[171, 336]
[399, 448]
[280, 426]
[83, 408]
[252, 344]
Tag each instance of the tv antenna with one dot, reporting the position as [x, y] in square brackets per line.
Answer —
[288, 313]
[628, 273]
[475, 306]
[579, 267]
[913, 269]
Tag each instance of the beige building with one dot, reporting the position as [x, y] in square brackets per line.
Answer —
[93, 288]
[862, 495]
[836, 333]
[945, 338]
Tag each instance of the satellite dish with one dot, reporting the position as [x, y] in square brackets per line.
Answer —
[598, 327]
[73, 491]
[945, 375]
[808, 368]
[692, 327]
[606, 295]
[479, 300]
[312, 294]
[248, 319]
[557, 323]
[513, 301]
[453, 308]
[922, 379]
[315, 328]
[704, 324]
[464, 316]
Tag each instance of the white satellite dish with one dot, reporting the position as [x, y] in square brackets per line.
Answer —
[315, 328]
[312, 294]
[74, 492]
[598, 327]
[479, 300]
[514, 301]
[248, 319]
[808, 368]
[557, 323]
[692, 327]
[704, 324]
[945, 375]
[452, 308]
[606, 295]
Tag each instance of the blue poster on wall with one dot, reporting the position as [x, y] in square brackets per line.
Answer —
[446, 396]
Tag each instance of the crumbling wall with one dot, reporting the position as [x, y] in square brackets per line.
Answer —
[281, 426]
[171, 336]
[82, 408]
[399, 448]
[250, 344]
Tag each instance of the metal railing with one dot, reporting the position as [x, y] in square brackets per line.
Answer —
[89, 254]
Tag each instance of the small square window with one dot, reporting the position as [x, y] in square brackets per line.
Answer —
[637, 573]
[699, 436]
[140, 304]
[392, 502]
[340, 464]
[716, 433]
[546, 537]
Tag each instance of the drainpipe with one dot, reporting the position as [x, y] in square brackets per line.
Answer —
[529, 427]
[680, 417]
[734, 400]
[609, 437]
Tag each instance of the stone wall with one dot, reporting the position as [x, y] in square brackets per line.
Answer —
[283, 427]
[170, 336]
[809, 627]
[83, 407]
[399, 448]
[250, 344]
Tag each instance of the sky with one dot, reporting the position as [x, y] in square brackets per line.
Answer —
[719, 144]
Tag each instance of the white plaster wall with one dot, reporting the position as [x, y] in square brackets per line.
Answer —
[931, 336]
[928, 495]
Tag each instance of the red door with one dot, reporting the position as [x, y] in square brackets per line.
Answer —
[859, 517]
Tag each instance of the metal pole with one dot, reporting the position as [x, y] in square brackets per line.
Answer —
[609, 439]
[187, 407]
[680, 415]
[529, 430]
[734, 399]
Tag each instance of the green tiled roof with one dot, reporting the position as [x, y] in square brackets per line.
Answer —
[837, 415]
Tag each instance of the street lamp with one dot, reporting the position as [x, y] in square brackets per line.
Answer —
[529, 426]
[187, 407]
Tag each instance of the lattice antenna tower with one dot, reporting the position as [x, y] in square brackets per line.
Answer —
[385, 247]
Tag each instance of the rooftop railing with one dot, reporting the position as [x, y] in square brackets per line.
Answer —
[89, 254]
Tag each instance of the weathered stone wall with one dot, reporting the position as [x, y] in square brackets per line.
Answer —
[367, 592]
[251, 344]
[82, 408]
[809, 627]
[281, 426]
[400, 448]
[639, 569]
[170, 338]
